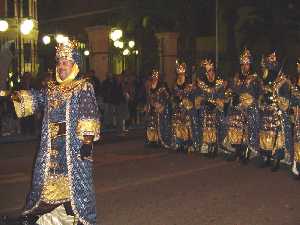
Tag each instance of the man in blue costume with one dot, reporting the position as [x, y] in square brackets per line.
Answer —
[158, 108]
[184, 119]
[295, 102]
[62, 183]
[275, 137]
[243, 118]
[210, 104]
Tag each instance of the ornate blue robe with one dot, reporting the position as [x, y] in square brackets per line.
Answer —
[59, 174]
[275, 138]
[242, 120]
[184, 119]
[158, 127]
[210, 121]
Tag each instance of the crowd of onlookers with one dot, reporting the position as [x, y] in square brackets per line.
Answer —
[121, 99]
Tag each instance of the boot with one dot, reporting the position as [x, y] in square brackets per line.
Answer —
[276, 165]
[215, 151]
[243, 154]
[264, 160]
[210, 150]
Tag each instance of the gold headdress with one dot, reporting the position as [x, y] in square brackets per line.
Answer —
[68, 50]
[155, 74]
[246, 57]
[180, 67]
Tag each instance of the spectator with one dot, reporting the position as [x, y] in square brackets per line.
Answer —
[121, 102]
[27, 123]
[107, 92]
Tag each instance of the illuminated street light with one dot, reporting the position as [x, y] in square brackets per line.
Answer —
[116, 44]
[131, 44]
[60, 38]
[119, 44]
[126, 52]
[3, 25]
[26, 26]
[86, 52]
[116, 34]
[136, 52]
[46, 39]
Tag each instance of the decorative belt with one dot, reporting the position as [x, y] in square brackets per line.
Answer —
[57, 129]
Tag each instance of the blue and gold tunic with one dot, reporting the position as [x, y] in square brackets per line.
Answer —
[184, 118]
[209, 102]
[242, 120]
[275, 128]
[70, 112]
[158, 127]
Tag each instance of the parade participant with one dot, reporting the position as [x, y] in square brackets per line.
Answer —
[274, 103]
[62, 181]
[243, 118]
[210, 104]
[158, 108]
[184, 119]
[295, 102]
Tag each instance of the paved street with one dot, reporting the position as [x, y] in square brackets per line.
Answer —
[144, 186]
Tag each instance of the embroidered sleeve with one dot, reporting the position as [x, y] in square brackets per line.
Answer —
[30, 102]
[89, 118]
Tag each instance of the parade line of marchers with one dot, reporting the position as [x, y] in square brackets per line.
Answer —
[249, 114]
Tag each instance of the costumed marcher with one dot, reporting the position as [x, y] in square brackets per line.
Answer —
[184, 119]
[62, 190]
[158, 108]
[275, 128]
[209, 102]
[295, 102]
[243, 118]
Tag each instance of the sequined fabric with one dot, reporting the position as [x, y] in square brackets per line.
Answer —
[295, 101]
[242, 121]
[185, 123]
[58, 156]
[275, 124]
[211, 121]
[158, 127]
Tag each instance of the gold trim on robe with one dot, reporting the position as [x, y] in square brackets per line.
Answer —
[152, 134]
[26, 106]
[283, 103]
[187, 103]
[56, 189]
[182, 131]
[297, 152]
[209, 135]
[236, 136]
[88, 127]
[267, 139]
[246, 100]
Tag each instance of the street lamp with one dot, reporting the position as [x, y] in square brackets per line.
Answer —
[60, 39]
[26, 26]
[116, 34]
[131, 44]
[46, 39]
[126, 51]
[119, 44]
[3, 25]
